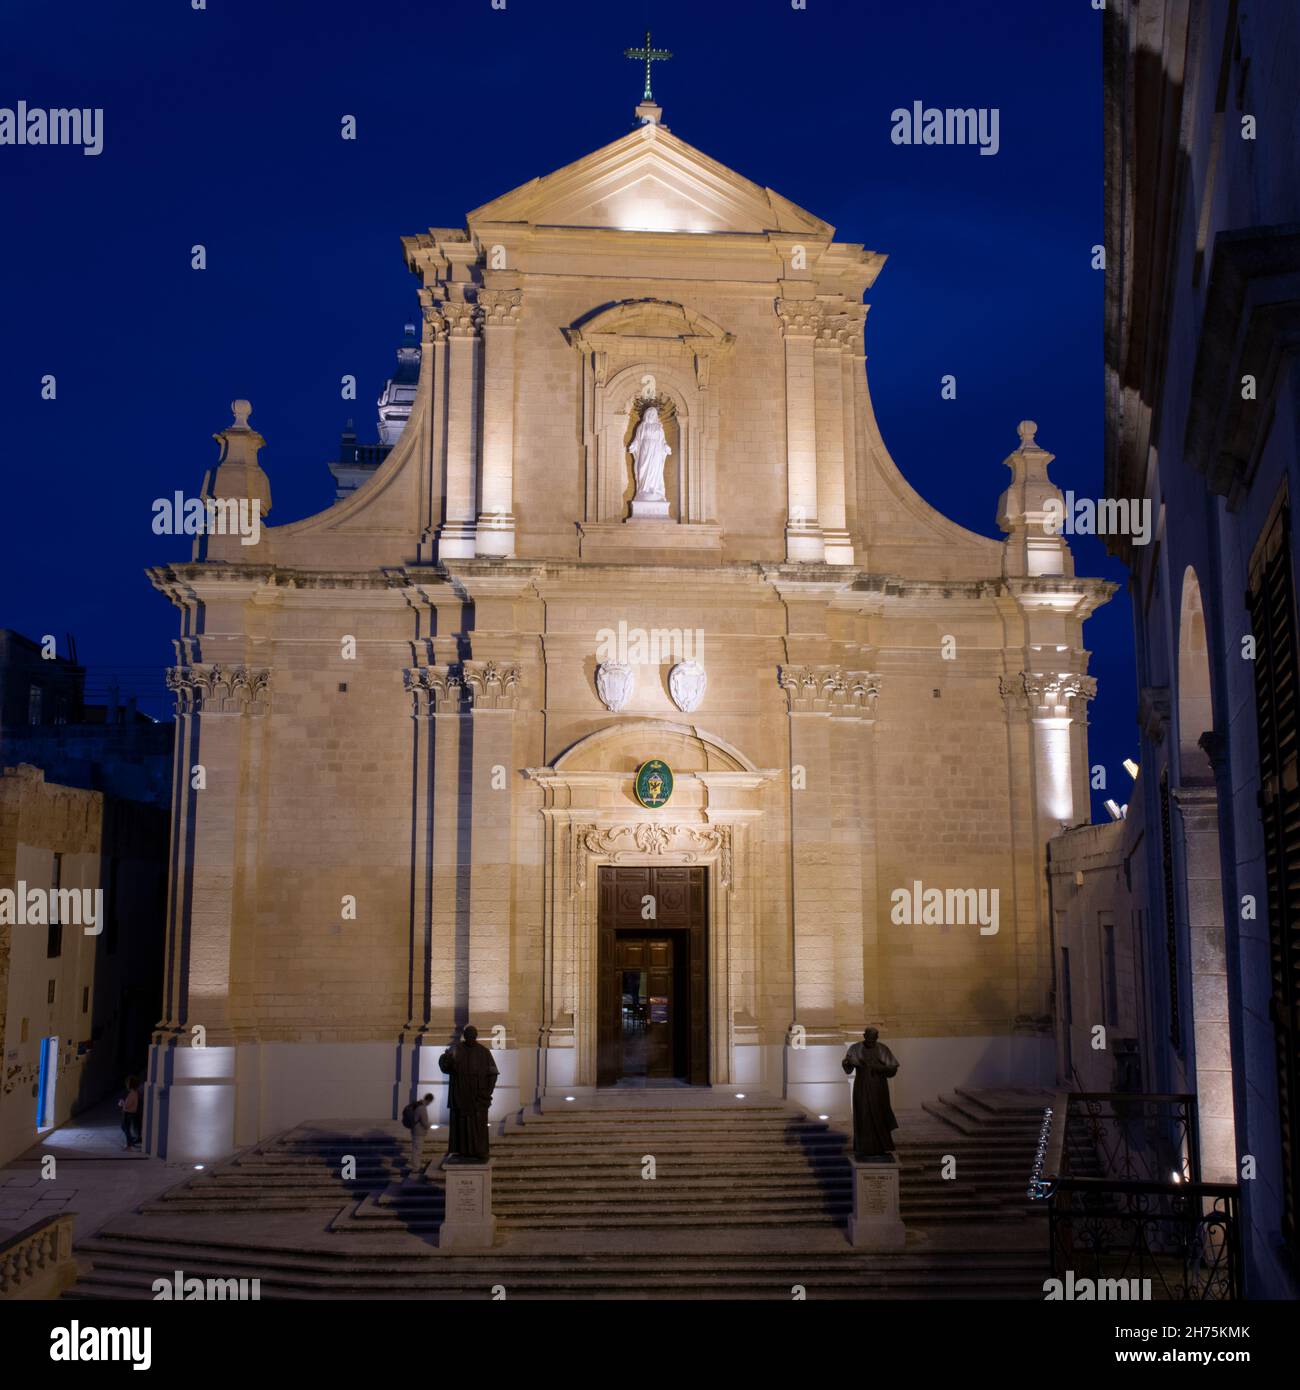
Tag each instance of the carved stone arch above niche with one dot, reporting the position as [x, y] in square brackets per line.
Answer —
[628, 354]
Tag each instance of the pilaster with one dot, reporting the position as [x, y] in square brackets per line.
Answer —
[456, 539]
[800, 322]
[492, 691]
[828, 383]
[501, 309]
[214, 832]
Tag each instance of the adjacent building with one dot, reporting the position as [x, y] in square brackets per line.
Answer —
[84, 793]
[1191, 906]
[356, 461]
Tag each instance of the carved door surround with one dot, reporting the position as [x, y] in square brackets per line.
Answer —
[631, 351]
[715, 820]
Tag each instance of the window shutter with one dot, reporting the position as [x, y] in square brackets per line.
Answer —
[1272, 614]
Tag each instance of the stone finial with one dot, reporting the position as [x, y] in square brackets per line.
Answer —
[1031, 510]
[238, 474]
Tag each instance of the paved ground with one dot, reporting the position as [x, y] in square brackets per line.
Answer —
[94, 1177]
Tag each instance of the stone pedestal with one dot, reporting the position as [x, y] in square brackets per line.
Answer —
[875, 1223]
[468, 1223]
[655, 511]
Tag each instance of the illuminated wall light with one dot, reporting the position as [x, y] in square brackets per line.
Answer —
[740, 1095]
[568, 1097]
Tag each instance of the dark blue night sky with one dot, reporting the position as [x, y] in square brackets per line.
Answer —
[222, 128]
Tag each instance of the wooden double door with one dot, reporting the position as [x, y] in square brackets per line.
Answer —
[653, 975]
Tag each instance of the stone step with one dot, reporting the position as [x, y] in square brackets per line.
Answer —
[178, 1247]
[1007, 1103]
[728, 1174]
[622, 1180]
[632, 1284]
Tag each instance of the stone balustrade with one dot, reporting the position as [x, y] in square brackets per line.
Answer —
[37, 1262]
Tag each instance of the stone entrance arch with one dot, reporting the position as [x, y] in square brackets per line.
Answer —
[716, 819]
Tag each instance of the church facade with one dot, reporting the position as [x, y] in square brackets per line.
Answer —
[674, 771]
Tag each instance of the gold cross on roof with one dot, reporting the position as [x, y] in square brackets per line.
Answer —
[648, 55]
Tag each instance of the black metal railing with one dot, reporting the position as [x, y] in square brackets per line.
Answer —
[1120, 1173]
[1182, 1237]
[1131, 1137]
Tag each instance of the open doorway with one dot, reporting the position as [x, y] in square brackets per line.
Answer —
[49, 1076]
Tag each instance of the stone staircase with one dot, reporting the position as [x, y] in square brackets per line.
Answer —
[748, 1200]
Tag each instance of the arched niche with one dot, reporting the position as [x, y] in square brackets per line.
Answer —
[1195, 706]
[628, 394]
[1201, 901]
[628, 352]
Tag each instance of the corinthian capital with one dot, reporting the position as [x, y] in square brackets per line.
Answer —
[1049, 694]
[800, 318]
[435, 322]
[854, 695]
[491, 686]
[810, 689]
[434, 690]
[501, 308]
[216, 689]
[462, 318]
[848, 327]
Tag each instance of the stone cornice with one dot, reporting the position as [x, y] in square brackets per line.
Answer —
[635, 323]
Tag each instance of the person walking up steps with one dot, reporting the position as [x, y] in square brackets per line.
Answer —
[416, 1118]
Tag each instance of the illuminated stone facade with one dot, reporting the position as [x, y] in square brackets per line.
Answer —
[419, 713]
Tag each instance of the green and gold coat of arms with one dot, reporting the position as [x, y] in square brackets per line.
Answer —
[654, 783]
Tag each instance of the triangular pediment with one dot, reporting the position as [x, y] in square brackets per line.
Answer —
[650, 181]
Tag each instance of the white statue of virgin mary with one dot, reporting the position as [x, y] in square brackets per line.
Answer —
[649, 452]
